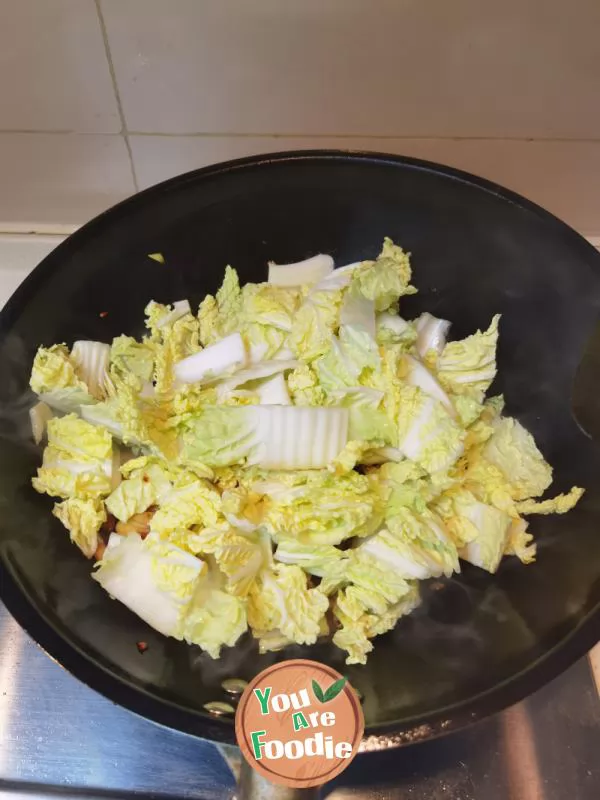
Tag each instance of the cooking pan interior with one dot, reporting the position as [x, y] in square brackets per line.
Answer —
[476, 252]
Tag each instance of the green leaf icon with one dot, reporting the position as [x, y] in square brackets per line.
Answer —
[334, 690]
[330, 693]
[318, 692]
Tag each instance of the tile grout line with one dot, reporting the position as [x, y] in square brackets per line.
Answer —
[398, 137]
[358, 136]
[113, 77]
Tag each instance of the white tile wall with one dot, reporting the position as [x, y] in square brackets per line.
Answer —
[363, 67]
[157, 87]
[49, 178]
[19, 254]
[54, 73]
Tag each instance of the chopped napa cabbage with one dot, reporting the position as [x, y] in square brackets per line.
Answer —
[229, 301]
[253, 373]
[300, 455]
[342, 366]
[282, 600]
[272, 641]
[78, 461]
[560, 504]
[301, 273]
[55, 380]
[241, 557]
[418, 547]
[53, 368]
[373, 582]
[460, 510]
[106, 415]
[314, 559]
[481, 429]
[171, 343]
[469, 366]
[368, 420]
[83, 519]
[172, 590]
[408, 486]
[78, 438]
[275, 437]
[265, 342]
[431, 334]
[132, 419]
[218, 436]
[359, 347]
[467, 409]
[353, 352]
[180, 309]
[268, 305]
[274, 392]
[335, 370]
[219, 316]
[315, 323]
[427, 433]
[392, 323]
[39, 415]
[91, 360]
[320, 508]
[386, 279]
[64, 476]
[340, 278]
[487, 548]
[352, 454]
[513, 451]
[393, 330]
[154, 313]
[382, 455]
[129, 356]
[215, 619]
[154, 579]
[519, 542]
[298, 438]
[222, 358]
[355, 634]
[358, 312]
[304, 387]
[134, 495]
[418, 375]
[191, 501]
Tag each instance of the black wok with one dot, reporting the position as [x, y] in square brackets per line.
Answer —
[479, 642]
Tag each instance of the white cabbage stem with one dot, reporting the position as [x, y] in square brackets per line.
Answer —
[180, 309]
[39, 416]
[293, 437]
[420, 376]
[91, 360]
[431, 334]
[218, 359]
[311, 270]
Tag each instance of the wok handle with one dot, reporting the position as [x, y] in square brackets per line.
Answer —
[253, 786]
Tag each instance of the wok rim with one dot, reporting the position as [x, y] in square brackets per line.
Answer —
[548, 666]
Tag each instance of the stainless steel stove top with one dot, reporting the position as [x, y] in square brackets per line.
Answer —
[59, 739]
